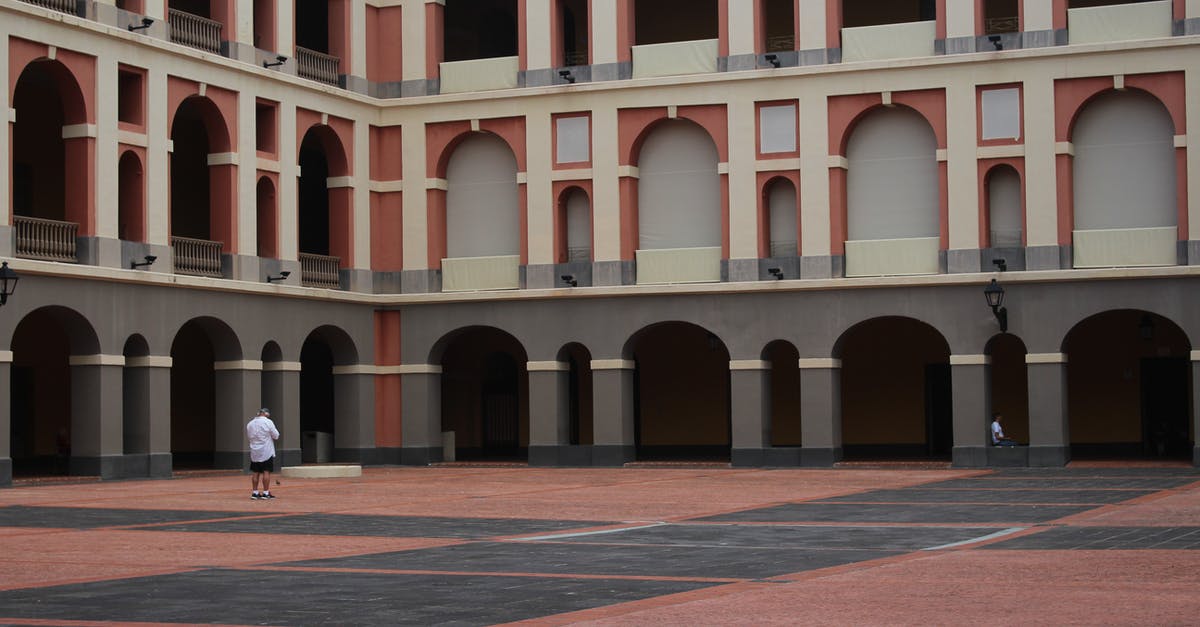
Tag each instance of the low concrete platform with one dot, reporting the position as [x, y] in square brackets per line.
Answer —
[619, 546]
[322, 471]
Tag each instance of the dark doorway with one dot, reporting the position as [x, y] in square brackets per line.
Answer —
[939, 412]
[314, 196]
[501, 422]
[1165, 410]
[193, 399]
[484, 401]
[316, 402]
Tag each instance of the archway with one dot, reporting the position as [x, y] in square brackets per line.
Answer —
[679, 188]
[1128, 387]
[1005, 207]
[207, 396]
[896, 395]
[782, 218]
[135, 398]
[325, 207]
[785, 393]
[681, 392]
[131, 211]
[485, 394]
[267, 219]
[483, 206]
[892, 178]
[1008, 383]
[579, 393]
[328, 426]
[47, 100]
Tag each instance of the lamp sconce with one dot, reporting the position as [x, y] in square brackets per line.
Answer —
[8, 282]
[994, 294]
[279, 60]
[1000, 263]
[567, 76]
[776, 272]
[773, 59]
[147, 22]
[570, 279]
[283, 275]
[995, 39]
[134, 264]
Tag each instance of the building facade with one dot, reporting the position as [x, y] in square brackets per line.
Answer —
[594, 232]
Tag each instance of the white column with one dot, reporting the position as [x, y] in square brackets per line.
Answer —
[158, 156]
[743, 209]
[604, 31]
[814, 174]
[606, 191]
[539, 193]
[289, 245]
[415, 219]
[106, 147]
[537, 34]
[1041, 191]
[247, 148]
[412, 41]
[358, 39]
[362, 195]
[960, 19]
[1037, 15]
[155, 9]
[5, 150]
[961, 166]
[812, 25]
[244, 28]
[1191, 81]
[741, 27]
[1191, 9]
[285, 20]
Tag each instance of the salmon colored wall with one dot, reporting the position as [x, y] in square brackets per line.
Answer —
[341, 225]
[339, 34]
[554, 140]
[75, 76]
[338, 145]
[758, 130]
[435, 52]
[267, 215]
[628, 193]
[723, 28]
[220, 114]
[388, 391]
[383, 44]
[833, 24]
[837, 210]
[634, 125]
[561, 190]
[223, 199]
[386, 153]
[523, 37]
[625, 30]
[764, 181]
[387, 231]
[131, 201]
[985, 209]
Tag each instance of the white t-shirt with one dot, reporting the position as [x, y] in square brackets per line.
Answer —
[262, 435]
[997, 432]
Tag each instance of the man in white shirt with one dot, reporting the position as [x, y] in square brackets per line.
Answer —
[261, 433]
[998, 437]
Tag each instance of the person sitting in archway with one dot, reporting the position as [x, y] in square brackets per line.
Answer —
[998, 437]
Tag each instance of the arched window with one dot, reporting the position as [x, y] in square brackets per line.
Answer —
[1004, 207]
[679, 189]
[268, 239]
[130, 194]
[892, 183]
[781, 205]
[482, 199]
[579, 226]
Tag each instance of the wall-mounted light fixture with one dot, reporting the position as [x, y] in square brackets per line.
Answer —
[279, 60]
[995, 39]
[8, 282]
[1000, 263]
[134, 264]
[994, 294]
[283, 274]
[776, 272]
[773, 59]
[567, 76]
[147, 22]
[570, 279]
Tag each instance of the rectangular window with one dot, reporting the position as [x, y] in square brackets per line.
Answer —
[264, 126]
[130, 97]
[1001, 109]
[777, 129]
[573, 143]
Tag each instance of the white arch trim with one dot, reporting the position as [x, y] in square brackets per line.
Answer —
[96, 360]
[970, 360]
[1046, 358]
[547, 366]
[418, 369]
[1195, 355]
[149, 361]
[818, 363]
[281, 366]
[357, 369]
[6, 357]
[749, 364]
[613, 364]
[238, 364]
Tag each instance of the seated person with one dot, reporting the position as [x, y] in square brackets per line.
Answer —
[998, 437]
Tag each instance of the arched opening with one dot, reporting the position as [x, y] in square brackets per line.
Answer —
[577, 216]
[783, 218]
[135, 398]
[663, 21]
[131, 212]
[679, 188]
[785, 393]
[1001, 16]
[484, 394]
[191, 208]
[857, 13]
[312, 25]
[892, 181]
[313, 199]
[681, 391]
[1008, 383]
[46, 170]
[579, 394]
[778, 25]
[267, 218]
[1005, 208]
[480, 29]
[1124, 166]
[896, 395]
[40, 405]
[193, 398]
[483, 208]
[573, 18]
[1129, 387]
[318, 407]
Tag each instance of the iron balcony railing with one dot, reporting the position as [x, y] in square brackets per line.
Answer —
[64, 6]
[320, 271]
[997, 25]
[197, 257]
[780, 43]
[48, 240]
[194, 31]
[317, 66]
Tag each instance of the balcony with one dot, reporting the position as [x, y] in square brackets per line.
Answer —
[317, 66]
[466, 274]
[196, 257]
[675, 58]
[62, 6]
[1125, 248]
[889, 41]
[679, 265]
[47, 240]
[194, 31]
[1119, 22]
[320, 271]
[892, 257]
[479, 74]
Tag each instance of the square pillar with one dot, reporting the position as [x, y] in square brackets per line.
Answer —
[97, 416]
[1195, 413]
[238, 385]
[750, 402]
[612, 412]
[354, 414]
[549, 414]
[281, 394]
[5, 419]
[972, 409]
[147, 405]
[1049, 433]
[421, 414]
[820, 411]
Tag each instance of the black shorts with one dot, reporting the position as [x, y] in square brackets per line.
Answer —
[264, 466]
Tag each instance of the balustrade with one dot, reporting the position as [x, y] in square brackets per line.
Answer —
[320, 271]
[194, 31]
[317, 66]
[196, 257]
[48, 240]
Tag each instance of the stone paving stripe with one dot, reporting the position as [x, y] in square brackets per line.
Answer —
[562, 536]
[1105, 538]
[990, 536]
[604, 559]
[787, 537]
[851, 513]
[386, 526]
[95, 518]
[300, 598]
[1068, 483]
[1096, 471]
[920, 495]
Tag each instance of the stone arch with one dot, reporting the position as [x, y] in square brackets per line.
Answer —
[329, 390]
[580, 424]
[484, 392]
[1008, 384]
[573, 234]
[326, 197]
[679, 195]
[266, 217]
[131, 197]
[207, 383]
[1004, 206]
[781, 216]
[785, 426]
[483, 199]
